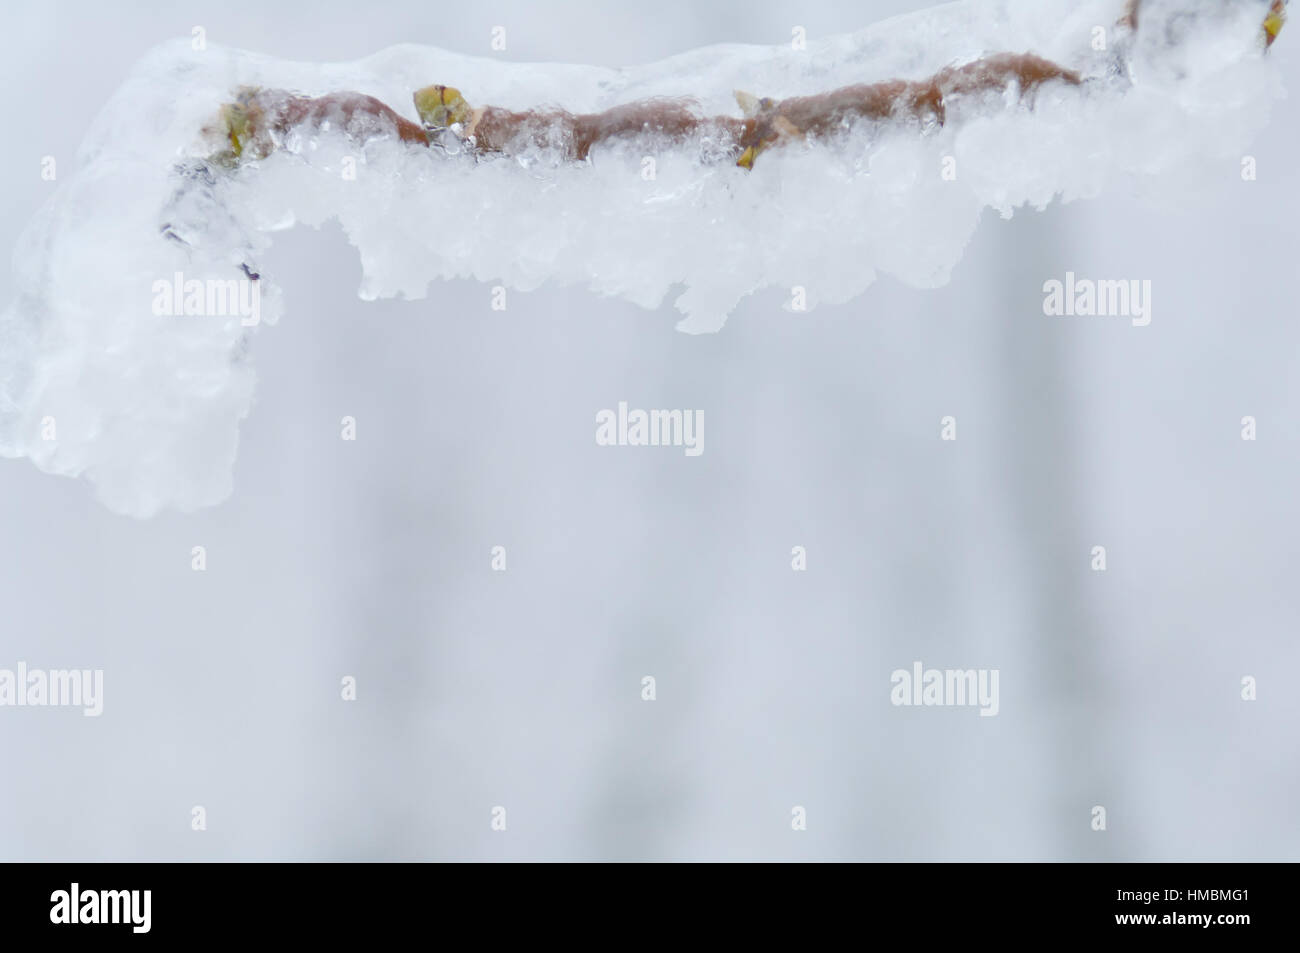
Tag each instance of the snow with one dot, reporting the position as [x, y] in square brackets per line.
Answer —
[147, 406]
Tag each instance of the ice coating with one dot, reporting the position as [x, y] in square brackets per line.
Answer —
[147, 406]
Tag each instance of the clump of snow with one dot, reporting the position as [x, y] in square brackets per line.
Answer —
[146, 405]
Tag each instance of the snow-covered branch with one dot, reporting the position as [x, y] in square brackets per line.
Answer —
[141, 285]
[259, 120]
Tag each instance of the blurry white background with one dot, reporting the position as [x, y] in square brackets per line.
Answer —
[522, 689]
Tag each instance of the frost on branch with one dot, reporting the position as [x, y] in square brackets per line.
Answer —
[867, 153]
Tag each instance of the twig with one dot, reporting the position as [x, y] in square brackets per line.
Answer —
[259, 119]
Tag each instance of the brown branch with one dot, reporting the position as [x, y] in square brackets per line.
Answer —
[766, 122]
[822, 114]
[260, 120]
